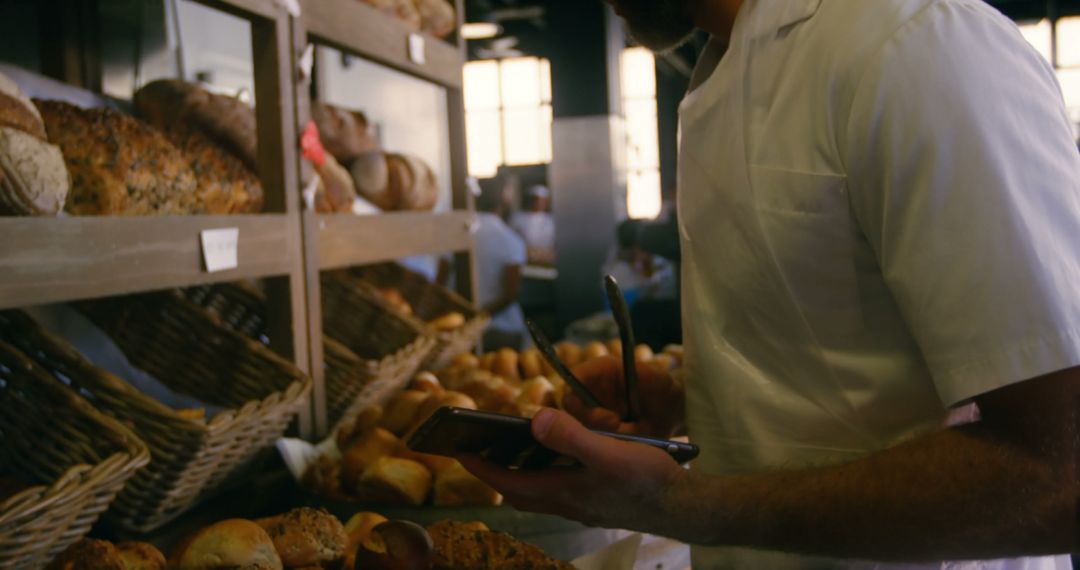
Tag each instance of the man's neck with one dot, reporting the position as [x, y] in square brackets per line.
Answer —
[716, 16]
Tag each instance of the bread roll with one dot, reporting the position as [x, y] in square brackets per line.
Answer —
[18, 112]
[423, 193]
[456, 487]
[403, 10]
[33, 176]
[338, 131]
[324, 477]
[491, 393]
[232, 543]
[402, 410]
[434, 463]
[529, 362]
[448, 322]
[88, 554]
[506, 364]
[306, 537]
[227, 120]
[437, 17]
[395, 481]
[432, 404]
[487, 361]
[643, 353]
[358, 426]
[365, 452]
[358, 528]
[465, 360]
[663, 362]
[538, 392]
[614, 347]
[676, 352]
[570, 353]
[396, 545]
[119, 165]
[596, 349]
[336, 192]
[140, 556]
[427, 382]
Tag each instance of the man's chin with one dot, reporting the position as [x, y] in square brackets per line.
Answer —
[658, 42]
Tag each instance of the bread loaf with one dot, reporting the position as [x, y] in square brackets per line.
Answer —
[232, 543]
[306, 537]
[462, 546]
[336, 192]
[395, 481]
[118, 165]
[88, 554]
[371, 176]
[33, 177]
[364, 453]
[411, 183]
[403, 10]
[226, 185]
[226, 120]
[456, 487]
[437, 17]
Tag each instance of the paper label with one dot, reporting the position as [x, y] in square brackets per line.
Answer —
[307, 61]
[219, 249]
[292, 6]
[417, 52]
[310, 191]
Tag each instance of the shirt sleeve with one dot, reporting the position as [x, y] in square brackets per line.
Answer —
[965, 179]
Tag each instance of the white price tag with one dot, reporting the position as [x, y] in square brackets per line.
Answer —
[310, 191]
[307, 61]
[417, 49]
[219, 249]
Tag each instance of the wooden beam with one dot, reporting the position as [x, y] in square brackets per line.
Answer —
[46, 260]
[345, 239]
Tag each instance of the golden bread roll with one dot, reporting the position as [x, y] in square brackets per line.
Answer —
[491, 393]
[434, 463]
[324, 477]
[663, 362]
[437, 17]
[596, 349]
[570, 353]
[432, 404]
[487, 361]
[448, 322]
[529, 362]
[506, 364]
[393, 296]
[358, 426]
[232, 543]
[366, 451]
[614, 347]
[526, 410]
[140, 556]
[395, 481]
[402, 410]
[396, 545]
[676, 352]
[88, 554]
[461, 546]
[427, 382]
[456, 487]
[358, 528]
[465, 360]
[538, 392]
[306, 537]
[643, 353]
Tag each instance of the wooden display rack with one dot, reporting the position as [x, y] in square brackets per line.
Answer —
[330, 240]
[48, 260]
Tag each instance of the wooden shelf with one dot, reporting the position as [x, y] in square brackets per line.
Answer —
[365, 31]
[345, 239]
[47, 260]
[269, 9]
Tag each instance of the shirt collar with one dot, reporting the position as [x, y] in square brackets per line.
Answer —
[768, 16]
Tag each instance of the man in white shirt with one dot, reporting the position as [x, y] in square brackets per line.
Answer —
[500, 255]
[880, 213]
[537, 226]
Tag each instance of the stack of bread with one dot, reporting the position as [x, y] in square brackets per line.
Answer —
[443, 323]
[33, 177]
[436, 17]
[390, 181]
[375, 466]
[310, 538]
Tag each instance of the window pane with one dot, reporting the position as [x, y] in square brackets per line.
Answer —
[1068, 37]
[643, 199]
[1070, 87]
[521, 82]
[1038, 35]
[546, 120]
[641, 130]
[522, 131]
[545, 80]
[481, 85]
[638, 72]
[484, 139]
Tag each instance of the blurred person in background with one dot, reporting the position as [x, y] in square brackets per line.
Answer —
[500, 255]
[537, 226]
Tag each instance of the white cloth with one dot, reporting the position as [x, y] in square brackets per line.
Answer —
[498, 247]
[879, 210]
[538, 229]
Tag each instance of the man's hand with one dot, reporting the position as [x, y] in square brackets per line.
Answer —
[620, 484]
[662, 399]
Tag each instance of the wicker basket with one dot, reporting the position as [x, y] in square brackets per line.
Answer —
[371, 350]
[375, 353]
[429, 302]
[181, 345]
[53, 435]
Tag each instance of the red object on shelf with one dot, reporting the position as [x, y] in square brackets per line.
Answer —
[311, 146]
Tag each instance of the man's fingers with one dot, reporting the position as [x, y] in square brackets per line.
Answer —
[560, 432]
[594, 418]
[519, 483]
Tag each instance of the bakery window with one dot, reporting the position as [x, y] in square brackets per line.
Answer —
[638, 77]
[508, 113]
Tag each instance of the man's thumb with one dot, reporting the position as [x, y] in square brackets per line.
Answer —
[560, 432]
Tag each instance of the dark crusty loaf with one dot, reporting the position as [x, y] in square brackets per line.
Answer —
[33, 179]
[461, 546]
[226, 120]
[226, 185]
[118, 164]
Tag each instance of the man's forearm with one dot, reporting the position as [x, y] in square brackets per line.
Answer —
[957, 494]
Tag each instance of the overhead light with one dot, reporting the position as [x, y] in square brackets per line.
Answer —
[480, 30]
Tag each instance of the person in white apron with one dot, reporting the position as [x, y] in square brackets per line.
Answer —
[879, 203]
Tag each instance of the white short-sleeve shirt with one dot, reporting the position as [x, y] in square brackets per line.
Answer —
[880, 215]
[498, 247]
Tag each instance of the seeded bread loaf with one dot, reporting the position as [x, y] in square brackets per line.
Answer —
[226, 185]
[118, 164]
[33, 179]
